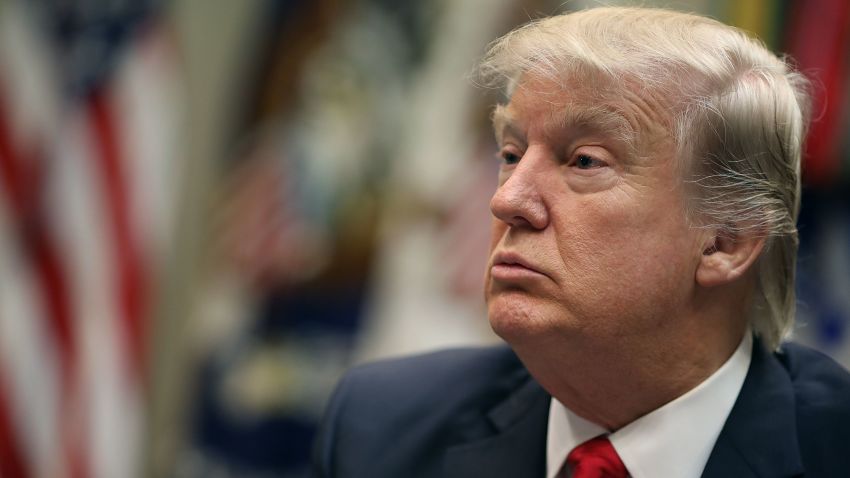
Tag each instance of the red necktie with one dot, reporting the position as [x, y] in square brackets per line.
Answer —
[596, 458]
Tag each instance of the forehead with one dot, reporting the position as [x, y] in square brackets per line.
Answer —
[620, 110]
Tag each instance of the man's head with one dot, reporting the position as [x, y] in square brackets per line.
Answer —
[651, 170]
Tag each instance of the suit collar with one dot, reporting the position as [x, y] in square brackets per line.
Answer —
[759, 439]
[517, 448]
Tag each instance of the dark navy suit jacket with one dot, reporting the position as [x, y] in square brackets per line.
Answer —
[478, 413]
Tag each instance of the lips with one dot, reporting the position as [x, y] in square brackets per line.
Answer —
[510, 266]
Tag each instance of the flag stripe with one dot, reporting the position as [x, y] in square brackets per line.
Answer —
[81, 222]
[129, 270]
[21, 181]
[21, 188]
[11, 457]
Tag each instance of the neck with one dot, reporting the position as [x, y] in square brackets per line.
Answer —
[612, 381]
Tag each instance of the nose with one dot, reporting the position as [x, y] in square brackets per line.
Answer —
[518, 201]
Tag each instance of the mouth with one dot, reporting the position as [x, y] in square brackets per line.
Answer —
[512, 267]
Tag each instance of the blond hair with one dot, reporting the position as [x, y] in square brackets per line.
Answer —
[738, 124]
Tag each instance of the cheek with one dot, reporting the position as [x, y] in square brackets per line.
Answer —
[621, 257]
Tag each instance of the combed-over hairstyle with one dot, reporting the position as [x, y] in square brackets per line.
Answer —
[738, 118]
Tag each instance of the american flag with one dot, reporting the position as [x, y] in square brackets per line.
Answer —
[87, 168]
[824, 57]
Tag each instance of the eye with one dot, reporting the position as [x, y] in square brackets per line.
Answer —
[584, 161]
[509, 157]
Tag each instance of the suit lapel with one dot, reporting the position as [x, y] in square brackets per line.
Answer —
[759, 439]
[517, 448]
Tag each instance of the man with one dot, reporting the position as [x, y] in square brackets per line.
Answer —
[641, 270]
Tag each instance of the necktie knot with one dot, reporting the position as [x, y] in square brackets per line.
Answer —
[596, 458]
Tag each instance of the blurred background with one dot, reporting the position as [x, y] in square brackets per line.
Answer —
[210, 209]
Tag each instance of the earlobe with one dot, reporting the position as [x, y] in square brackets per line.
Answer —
[725, 259]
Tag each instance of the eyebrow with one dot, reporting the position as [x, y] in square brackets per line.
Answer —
[595, 118]
[502, 120]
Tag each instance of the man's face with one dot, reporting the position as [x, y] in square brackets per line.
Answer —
[589, 235]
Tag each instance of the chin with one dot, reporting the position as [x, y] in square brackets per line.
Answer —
[517, 317]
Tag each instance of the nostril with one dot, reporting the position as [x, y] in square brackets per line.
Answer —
[519, 221]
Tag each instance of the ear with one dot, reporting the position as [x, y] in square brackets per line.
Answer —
[726, 258]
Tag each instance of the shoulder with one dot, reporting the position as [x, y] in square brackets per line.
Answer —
[437, 373]
[442, 384]
[412, 406]
[820, 384]
[822, 402]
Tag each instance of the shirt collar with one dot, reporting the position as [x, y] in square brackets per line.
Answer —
[674, 440]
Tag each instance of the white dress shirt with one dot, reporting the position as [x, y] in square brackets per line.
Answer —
[673, 441]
